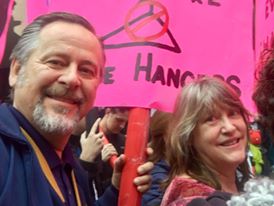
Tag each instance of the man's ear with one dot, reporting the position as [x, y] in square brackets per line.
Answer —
[14, 70]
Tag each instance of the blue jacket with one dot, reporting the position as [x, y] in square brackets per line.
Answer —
[154, 195]
[22, 181]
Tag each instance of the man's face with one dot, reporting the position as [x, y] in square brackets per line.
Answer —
[115, 122]
[57, 85]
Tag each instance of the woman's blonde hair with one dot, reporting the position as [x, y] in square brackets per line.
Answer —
[197, 99]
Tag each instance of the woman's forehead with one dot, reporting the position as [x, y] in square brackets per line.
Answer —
[217, 108]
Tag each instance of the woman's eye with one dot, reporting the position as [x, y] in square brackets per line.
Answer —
[210, 119]
[234, 113]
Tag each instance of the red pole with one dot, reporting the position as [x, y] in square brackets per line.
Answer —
[135, 151]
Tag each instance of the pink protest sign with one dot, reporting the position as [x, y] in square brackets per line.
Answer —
[264, 35]
[5, 11]
[154, 47]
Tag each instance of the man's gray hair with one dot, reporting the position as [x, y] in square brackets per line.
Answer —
[29, 39]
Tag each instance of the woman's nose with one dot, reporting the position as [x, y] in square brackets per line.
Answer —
[227, 125]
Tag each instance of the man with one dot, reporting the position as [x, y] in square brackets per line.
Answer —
[56, 67]
[87, 148]
[95, 152]
[112, 125]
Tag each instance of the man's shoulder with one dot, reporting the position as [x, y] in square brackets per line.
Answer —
[9, 127]
[5, 115]
[6, 118]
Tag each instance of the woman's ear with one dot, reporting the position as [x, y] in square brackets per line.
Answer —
[14, 70]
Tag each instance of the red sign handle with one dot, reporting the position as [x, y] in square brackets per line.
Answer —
[135, 151]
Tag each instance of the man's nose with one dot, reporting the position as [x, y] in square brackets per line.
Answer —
[70, 76]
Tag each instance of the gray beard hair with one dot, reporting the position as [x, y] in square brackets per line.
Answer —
[53, 123]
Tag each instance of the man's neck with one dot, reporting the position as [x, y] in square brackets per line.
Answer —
[57, 141]
[59, 153]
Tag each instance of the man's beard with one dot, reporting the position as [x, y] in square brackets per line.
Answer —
[54, 123]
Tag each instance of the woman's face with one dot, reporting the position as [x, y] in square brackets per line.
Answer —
[221, 139]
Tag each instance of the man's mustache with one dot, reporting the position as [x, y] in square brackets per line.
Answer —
[64, 93]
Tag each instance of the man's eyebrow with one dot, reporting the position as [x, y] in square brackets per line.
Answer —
[55, 54]
[88, 62]
[65, 56]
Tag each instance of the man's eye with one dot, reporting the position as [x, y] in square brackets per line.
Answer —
[55, 62]
[88, 72]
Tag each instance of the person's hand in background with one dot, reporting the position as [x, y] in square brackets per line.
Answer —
[91, 145]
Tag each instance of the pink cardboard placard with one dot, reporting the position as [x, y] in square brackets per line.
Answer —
[154, 47]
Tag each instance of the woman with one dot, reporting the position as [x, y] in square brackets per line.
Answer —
[207, 143]
[158, 129]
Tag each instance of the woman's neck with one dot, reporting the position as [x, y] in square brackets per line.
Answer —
[227, 178]
[228, 183]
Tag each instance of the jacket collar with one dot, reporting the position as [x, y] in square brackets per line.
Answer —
[9, 126]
